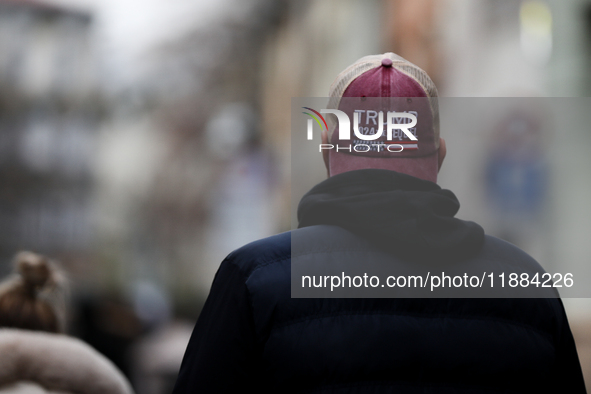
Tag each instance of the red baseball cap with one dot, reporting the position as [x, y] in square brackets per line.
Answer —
[370, 89]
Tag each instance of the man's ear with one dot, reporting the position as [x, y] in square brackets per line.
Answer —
[325, 152]
[442, 152]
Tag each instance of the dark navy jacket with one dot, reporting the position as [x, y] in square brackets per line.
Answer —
[253, 337]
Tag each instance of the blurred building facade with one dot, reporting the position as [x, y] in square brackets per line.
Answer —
[185, 174]
[49, 117]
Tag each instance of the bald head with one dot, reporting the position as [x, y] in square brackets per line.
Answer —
[426, 168]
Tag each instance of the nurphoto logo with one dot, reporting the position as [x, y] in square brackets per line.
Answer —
[398, 126]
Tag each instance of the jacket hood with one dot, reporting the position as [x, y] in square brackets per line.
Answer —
[35, 361]
[403, 215]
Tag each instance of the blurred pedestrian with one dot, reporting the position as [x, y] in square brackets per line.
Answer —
[36, 355]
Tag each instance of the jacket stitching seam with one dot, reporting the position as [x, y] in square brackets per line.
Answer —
[382, 312]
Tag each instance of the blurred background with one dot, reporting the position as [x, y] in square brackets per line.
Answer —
[142, 141]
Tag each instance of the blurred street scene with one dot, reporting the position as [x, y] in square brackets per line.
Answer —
[143, 141]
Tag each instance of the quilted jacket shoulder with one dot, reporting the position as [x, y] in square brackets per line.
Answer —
[276, 343]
